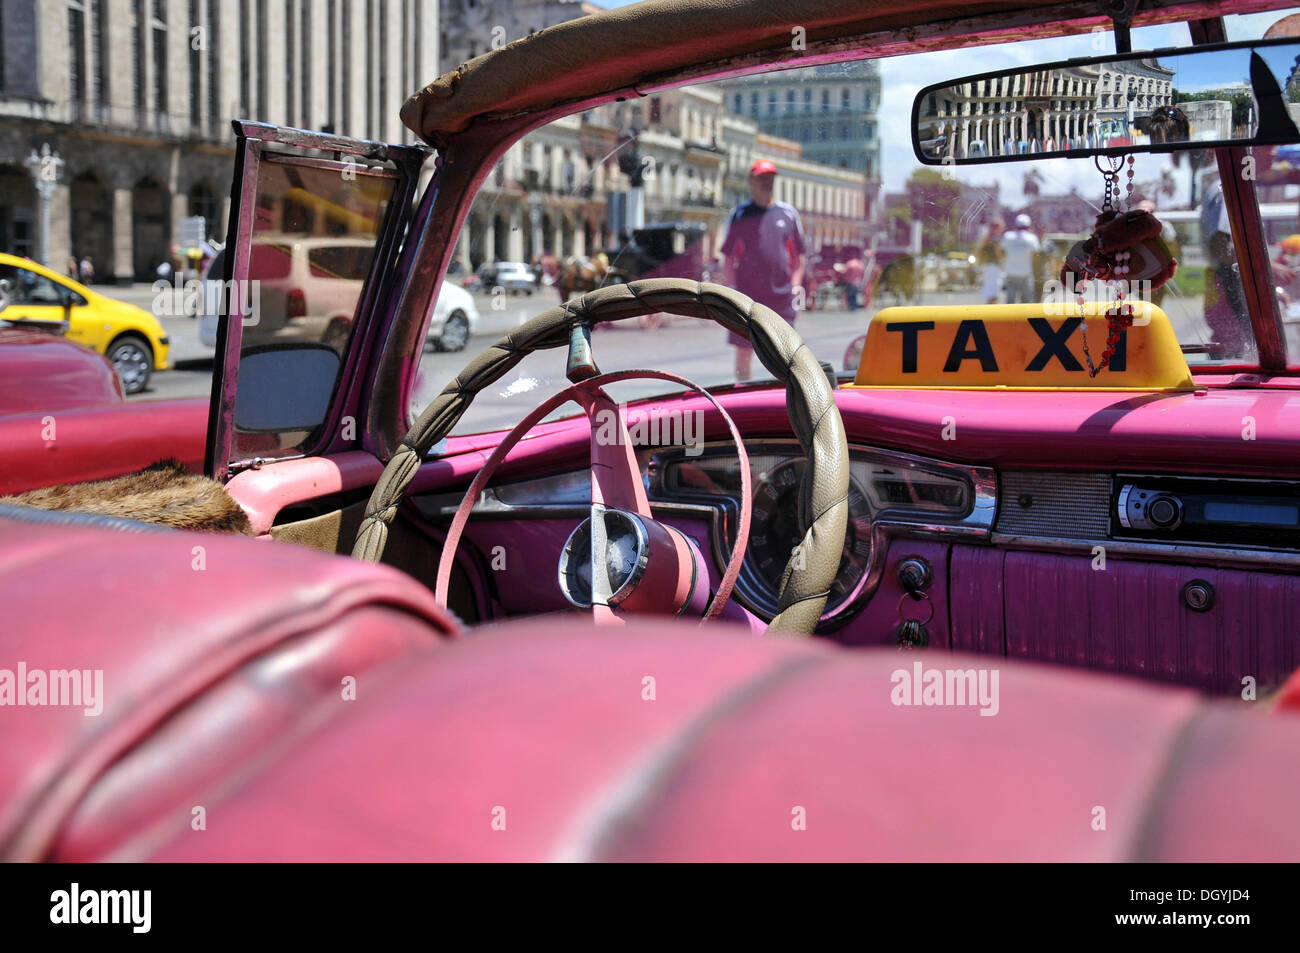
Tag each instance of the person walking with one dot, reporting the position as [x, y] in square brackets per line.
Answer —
[765, 254]
[989, 256]
[1020, 245]
[854, 271]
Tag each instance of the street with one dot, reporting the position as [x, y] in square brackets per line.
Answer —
[692, 347]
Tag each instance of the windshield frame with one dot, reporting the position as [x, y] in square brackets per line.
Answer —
[466, 158]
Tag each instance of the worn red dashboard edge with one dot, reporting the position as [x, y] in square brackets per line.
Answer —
[1239, 431]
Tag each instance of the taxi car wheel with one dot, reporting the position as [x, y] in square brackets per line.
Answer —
[132, 358]
[455, 332]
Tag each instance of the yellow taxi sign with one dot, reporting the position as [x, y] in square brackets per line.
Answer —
[1019, 347]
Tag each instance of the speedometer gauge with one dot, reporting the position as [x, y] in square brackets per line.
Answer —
[777, 527]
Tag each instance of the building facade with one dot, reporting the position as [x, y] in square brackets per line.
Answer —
[562, 191]
[136, 98]
[471, 28]
[831, 111]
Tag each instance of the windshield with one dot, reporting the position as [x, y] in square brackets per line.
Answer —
[800, 189]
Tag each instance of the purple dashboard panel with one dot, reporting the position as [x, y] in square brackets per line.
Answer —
[878, 621]
[521, 560]
[1129, 617]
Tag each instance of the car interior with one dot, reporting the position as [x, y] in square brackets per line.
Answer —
[647, 614]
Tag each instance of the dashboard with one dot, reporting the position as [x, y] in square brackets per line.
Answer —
[890, 493]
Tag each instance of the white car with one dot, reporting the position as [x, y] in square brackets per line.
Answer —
[516, 276]
[454, 318]
[313, 294]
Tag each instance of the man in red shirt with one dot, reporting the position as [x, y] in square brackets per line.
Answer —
[765, 252]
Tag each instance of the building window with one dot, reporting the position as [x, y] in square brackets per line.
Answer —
[347, 71]
[196, 66]
[77, 55]
[99, 40]
[771, 102]
[826, 100]
[739, 100]
[789, 100]
[304, 41]
[212, 46]
[288, 61]
[845, 97]
[753, 104]
[140, 40]
[370, 70]
[333, 54]
[160, 60]
[263, 63]
[245, 61]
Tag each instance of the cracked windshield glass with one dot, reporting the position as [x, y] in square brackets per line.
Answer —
[800, 188]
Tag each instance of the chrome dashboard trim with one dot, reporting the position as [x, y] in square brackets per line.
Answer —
[1122, 505]
[1283, 561]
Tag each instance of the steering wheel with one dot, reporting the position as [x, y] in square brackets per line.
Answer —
[617, 544]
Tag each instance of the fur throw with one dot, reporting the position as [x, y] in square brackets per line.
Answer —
[165, 493]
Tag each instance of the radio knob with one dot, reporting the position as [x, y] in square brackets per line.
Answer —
[1164, 512]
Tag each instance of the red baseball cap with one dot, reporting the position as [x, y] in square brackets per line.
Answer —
[762, 167]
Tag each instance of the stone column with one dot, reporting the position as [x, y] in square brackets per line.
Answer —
[60, 240]
[123, 268]
[516, 242]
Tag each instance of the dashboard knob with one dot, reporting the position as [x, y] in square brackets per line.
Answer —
[915, 574]
[1165, 512]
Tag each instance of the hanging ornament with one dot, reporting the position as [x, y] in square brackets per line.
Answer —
[1125, 251]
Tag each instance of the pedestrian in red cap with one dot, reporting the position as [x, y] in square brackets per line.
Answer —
[764, 251]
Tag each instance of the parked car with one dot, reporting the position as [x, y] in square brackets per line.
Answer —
[1023, 587]
[130, 337]
[455, 316]
[514, 276]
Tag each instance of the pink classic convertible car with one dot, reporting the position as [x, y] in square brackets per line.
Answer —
[1023, 586]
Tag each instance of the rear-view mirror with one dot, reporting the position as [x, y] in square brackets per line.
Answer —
[1232, 94]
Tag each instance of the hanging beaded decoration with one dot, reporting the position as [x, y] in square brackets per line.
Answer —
[1120, 316]
[1125, 252]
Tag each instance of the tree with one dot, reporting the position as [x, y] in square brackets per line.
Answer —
[933, 200]
[1242, 102]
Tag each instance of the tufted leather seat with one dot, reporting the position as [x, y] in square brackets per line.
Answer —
[174, 620]
[548, 740]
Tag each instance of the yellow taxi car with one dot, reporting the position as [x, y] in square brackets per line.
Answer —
[130, 337]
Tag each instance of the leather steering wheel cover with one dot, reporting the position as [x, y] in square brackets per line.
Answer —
[810, 403]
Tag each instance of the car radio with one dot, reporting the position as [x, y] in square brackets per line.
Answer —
[1199, 509]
